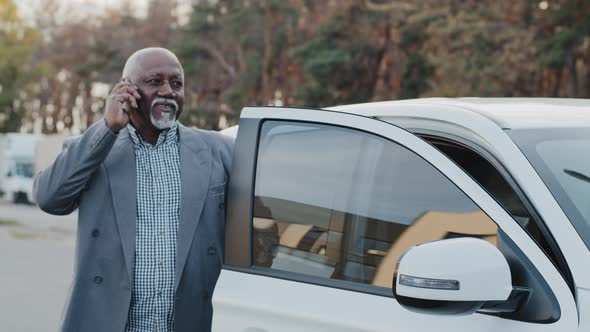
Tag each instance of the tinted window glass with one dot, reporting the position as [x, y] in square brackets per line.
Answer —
[337, 203]
[561, 156]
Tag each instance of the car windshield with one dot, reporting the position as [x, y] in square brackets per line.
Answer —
[561, 157]
[24, 169]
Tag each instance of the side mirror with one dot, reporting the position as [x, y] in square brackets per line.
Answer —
[456, 276]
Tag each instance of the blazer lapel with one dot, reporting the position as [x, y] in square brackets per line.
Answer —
[195, 170]
[120, 167]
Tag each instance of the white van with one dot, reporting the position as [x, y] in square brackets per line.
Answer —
[17, 157]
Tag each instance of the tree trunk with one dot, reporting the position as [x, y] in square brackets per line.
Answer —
[556, 82]
[573, 71]
[585, 86]
[265, 93]
[73, 92]
[86, 105]
[381, 76]
[44, 98]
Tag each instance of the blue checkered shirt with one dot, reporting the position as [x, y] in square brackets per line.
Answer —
[158, 203]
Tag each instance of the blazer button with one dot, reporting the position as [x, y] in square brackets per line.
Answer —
[98, 280]
[95, 233]
[221, 205]
[211, 251]
[205, 296]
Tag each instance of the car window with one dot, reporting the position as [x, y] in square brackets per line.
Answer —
[506, 192]
[560, 157]
[338, 203]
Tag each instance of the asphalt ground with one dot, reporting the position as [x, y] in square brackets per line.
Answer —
[36, 266]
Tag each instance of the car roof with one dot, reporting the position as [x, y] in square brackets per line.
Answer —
[508, 113]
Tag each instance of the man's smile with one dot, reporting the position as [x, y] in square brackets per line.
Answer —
[164, 105]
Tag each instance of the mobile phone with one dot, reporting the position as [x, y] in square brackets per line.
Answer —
[126, 105]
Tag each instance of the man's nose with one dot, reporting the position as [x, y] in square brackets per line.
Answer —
[166, 90]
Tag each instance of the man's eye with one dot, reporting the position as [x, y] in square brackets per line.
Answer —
[177, 84]
[154, 81]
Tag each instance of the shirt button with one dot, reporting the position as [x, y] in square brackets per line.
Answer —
[162, 233]
[161, 263]
[98, 280]
[211, 251]
[160, 293]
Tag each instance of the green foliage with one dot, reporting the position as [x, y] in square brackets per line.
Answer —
[571, 27]
[240, 94]
[337, 63]
[223, 49]
[415, 77]
[17, 70]
[555, 51]
[477, 55]
[418, 71]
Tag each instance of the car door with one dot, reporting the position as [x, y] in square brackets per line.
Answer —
[321, 206]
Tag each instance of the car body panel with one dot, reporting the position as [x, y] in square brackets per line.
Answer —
[584, 309]
[506, 113]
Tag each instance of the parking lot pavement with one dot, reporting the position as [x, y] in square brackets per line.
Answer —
[36, 257]
[32, 216]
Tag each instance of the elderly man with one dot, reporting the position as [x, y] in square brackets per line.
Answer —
[150, 194]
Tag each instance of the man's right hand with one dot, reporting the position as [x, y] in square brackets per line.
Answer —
[116, 116]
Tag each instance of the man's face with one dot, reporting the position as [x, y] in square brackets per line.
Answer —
[160, 83]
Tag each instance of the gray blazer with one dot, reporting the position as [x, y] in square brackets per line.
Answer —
[96, 173]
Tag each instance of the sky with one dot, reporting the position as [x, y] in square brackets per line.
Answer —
[85, 7]
[80, 7]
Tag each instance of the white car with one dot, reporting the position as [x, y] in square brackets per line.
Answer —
[467, 214]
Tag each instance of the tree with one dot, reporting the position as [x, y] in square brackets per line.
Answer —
[476, 49]
[89, 52]
[17, 69]
[564, 48]
[236, 54]
[341, 62]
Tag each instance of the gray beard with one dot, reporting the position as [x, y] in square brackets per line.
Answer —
[165, 122]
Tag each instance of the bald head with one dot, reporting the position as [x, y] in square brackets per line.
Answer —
[141, 60]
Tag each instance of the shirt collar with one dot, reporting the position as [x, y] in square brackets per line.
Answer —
[167, 136]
